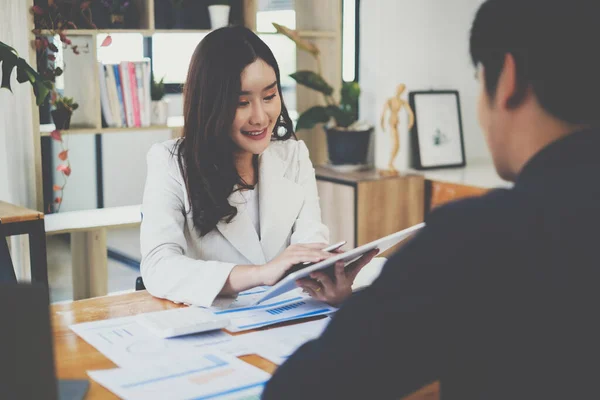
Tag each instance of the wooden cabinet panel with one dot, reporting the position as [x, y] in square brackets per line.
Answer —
[387, 206]
[338, 211]
[442, 192]
[360, 207]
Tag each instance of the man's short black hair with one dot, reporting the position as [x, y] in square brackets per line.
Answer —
[556, 46]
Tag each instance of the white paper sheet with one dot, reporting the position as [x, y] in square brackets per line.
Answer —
[128, 344]
[276, 345]
[213, 375]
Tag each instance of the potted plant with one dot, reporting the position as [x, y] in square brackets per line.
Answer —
[116, 10]
[160, 107]
[347, 138]
[219, 14]
[64, 107]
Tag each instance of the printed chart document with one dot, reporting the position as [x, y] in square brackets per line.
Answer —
[280, 309]
[213, 375]
[129, 344]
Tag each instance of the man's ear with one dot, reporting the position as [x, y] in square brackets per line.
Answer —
[511, 90]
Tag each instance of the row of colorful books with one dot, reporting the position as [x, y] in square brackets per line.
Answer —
[125, 94]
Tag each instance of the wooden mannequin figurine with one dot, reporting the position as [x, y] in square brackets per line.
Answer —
[395, 105]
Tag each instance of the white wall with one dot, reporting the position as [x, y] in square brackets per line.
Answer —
[424, 44]
[124, 174]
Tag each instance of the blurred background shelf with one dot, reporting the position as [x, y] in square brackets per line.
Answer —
[173, 123]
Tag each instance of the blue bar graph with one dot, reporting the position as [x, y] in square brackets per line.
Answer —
[279, 310]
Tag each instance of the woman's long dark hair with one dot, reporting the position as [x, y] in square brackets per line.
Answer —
[211, 94]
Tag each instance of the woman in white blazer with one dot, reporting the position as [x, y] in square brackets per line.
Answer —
[233, 204]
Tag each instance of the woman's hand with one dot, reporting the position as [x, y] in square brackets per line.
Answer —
[274, 270]
[334, 291]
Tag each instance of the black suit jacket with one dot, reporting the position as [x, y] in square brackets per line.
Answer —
[497, 298]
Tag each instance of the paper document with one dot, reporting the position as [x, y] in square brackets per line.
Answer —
[128, 344]
[243, 299]
[212, 375]
[276, 345]
[274, 311]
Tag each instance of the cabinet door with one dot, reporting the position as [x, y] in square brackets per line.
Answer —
[442, 192]
[338, 211]
[386, 206]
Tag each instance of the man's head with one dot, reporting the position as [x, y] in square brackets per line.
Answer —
[538, 63]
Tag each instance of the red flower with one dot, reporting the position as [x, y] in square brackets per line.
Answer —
[63, 155]
[38, 10]
[57, 188]
[65, 169]
[58, 200]
[106, 42]
[55, 134]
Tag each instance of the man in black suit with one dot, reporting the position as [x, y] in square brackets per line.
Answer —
[498, 296]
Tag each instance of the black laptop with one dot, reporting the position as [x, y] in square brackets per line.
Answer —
[26, 355]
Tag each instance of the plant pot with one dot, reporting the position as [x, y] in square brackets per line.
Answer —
[117, 20]
[160, 112]
[348, 146]
[61, 118]
[219, 16]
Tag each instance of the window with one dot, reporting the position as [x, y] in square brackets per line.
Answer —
[349, 40]
[171, 55]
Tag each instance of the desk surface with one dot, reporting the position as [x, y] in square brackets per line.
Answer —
[74, 356]
[10, 213]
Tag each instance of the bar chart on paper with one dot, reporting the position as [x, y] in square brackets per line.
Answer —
[274, 312]
[213, 375]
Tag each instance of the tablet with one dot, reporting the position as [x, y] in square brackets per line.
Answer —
[289, 282]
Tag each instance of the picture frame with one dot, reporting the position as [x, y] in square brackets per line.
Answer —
[437, 134]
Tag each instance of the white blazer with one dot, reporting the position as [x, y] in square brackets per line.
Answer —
[179, 265]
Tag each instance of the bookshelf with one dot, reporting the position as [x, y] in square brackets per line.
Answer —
[318, 20]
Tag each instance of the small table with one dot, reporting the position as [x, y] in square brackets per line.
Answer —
[88, 229]
[73, 356]
[16, 220]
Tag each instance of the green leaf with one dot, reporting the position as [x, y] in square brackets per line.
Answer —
[314, 115]
[342, 118]
[312, 81]
[350, 93]
[10, 59]
[349, 100]
[7, 67]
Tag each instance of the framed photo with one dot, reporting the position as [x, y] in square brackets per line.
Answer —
[437, 135]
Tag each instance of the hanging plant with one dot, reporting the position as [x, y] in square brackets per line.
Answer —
[64, 168]
[9, 58]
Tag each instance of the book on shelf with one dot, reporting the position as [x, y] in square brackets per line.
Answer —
[125, 94]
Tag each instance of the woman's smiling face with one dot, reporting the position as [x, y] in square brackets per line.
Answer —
[259, 108]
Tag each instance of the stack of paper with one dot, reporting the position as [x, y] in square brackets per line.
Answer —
[203, 365]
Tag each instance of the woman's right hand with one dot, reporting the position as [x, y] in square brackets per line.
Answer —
[275, 269]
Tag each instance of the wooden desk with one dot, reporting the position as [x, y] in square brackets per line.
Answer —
[16, 220]
[73, 356]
